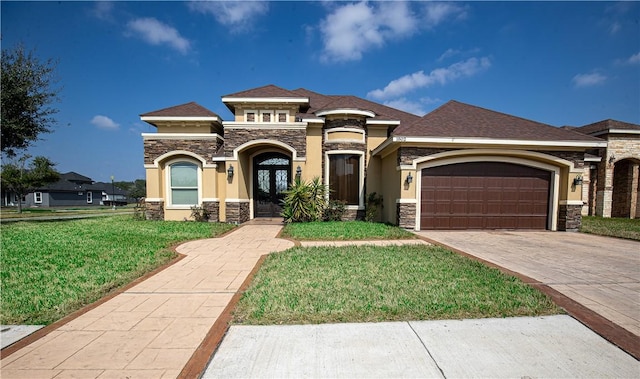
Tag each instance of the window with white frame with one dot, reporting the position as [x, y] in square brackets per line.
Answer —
[344, 178]
[266, 116]
[37, 197]
[250, 116]
[283, 116]
[183, 184]
[89, 197]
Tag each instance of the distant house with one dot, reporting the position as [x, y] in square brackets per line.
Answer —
[72, 189]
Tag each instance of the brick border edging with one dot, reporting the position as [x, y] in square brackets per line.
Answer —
[615, 334]
[33, 337]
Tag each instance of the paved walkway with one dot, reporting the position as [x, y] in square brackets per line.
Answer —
[155, 328]
[152, 329]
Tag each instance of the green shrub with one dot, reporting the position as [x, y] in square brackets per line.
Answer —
[199, 213]
[305, 201]
[374, 202]
[335, 210]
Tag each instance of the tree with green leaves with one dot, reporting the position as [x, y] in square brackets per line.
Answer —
[21, 179]
[27, 96]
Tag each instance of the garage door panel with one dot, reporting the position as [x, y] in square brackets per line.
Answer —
[484, 195]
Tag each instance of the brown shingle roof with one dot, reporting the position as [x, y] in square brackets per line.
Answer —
[455, 119]
[191, 109]
[266, 91]
[605, 126]
[319, 102]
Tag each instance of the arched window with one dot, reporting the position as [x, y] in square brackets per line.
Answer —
[183, 184]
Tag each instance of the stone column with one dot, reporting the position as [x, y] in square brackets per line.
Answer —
[406, 215]
[569, 217]
[604, 194]
[154, 210]
[635, 189]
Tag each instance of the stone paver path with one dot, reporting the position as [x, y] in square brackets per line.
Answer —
[152, 329]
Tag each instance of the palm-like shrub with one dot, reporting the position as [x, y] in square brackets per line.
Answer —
[305, 201]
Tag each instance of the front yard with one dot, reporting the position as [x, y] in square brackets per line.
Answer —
[50, 269]
[612, 227]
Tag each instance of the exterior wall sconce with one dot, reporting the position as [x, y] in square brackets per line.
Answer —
[298, 172]
[612, 159]
[577, 181]
[230, 172]
[409, 179]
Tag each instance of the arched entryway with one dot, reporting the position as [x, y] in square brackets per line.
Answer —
[271, 177]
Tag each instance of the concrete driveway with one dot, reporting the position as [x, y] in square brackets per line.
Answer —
[600, 273]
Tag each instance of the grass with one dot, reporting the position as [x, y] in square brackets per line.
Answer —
[50, 269]
[12, 212]
[612, 227]
[370, 284]
[347, 230]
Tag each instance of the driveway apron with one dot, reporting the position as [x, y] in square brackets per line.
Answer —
[152, 329]
[601, 273]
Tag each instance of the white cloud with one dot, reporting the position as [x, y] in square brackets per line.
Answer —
[634, 59]
[104, 122]
[102, 10]
[416, 107]
[237, 14]
[438, 12]
[350, 30]
[157, 33]
[588, 80]
[440, 76]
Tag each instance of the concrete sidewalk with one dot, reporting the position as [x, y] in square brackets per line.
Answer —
[523, 347]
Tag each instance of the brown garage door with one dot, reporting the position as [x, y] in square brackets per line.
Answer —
[484, 195]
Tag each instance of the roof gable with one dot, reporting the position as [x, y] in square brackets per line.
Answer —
[191, 109]
[604, 126]
[269, 90]
[458, 120]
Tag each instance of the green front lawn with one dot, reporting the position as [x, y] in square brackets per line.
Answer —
[344, 231]
[50, 269]
[612, 227]
[367, 283]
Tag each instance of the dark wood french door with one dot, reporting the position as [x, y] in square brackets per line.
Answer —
[271, 173]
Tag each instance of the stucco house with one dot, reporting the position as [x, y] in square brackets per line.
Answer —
[458, 167]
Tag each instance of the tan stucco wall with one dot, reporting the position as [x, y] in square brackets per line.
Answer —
[221, 183]
[375, 136]
[390, 187]
[184, 128]
[345, 136]
[154, 183]
[313, 166]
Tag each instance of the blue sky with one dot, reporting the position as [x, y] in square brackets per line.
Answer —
[568, 63]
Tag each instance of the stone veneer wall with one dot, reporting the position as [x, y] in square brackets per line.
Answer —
[296, 138]
[153, 148]
[237, 213]
[406, 215]
[213, 207]
[154, 210]
[569, 218]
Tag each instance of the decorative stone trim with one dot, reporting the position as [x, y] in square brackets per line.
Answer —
[569, 217]
[237, 212]
[154, 148]
[154, 210]
[213, 207]
[406, 215]
[297, 139]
